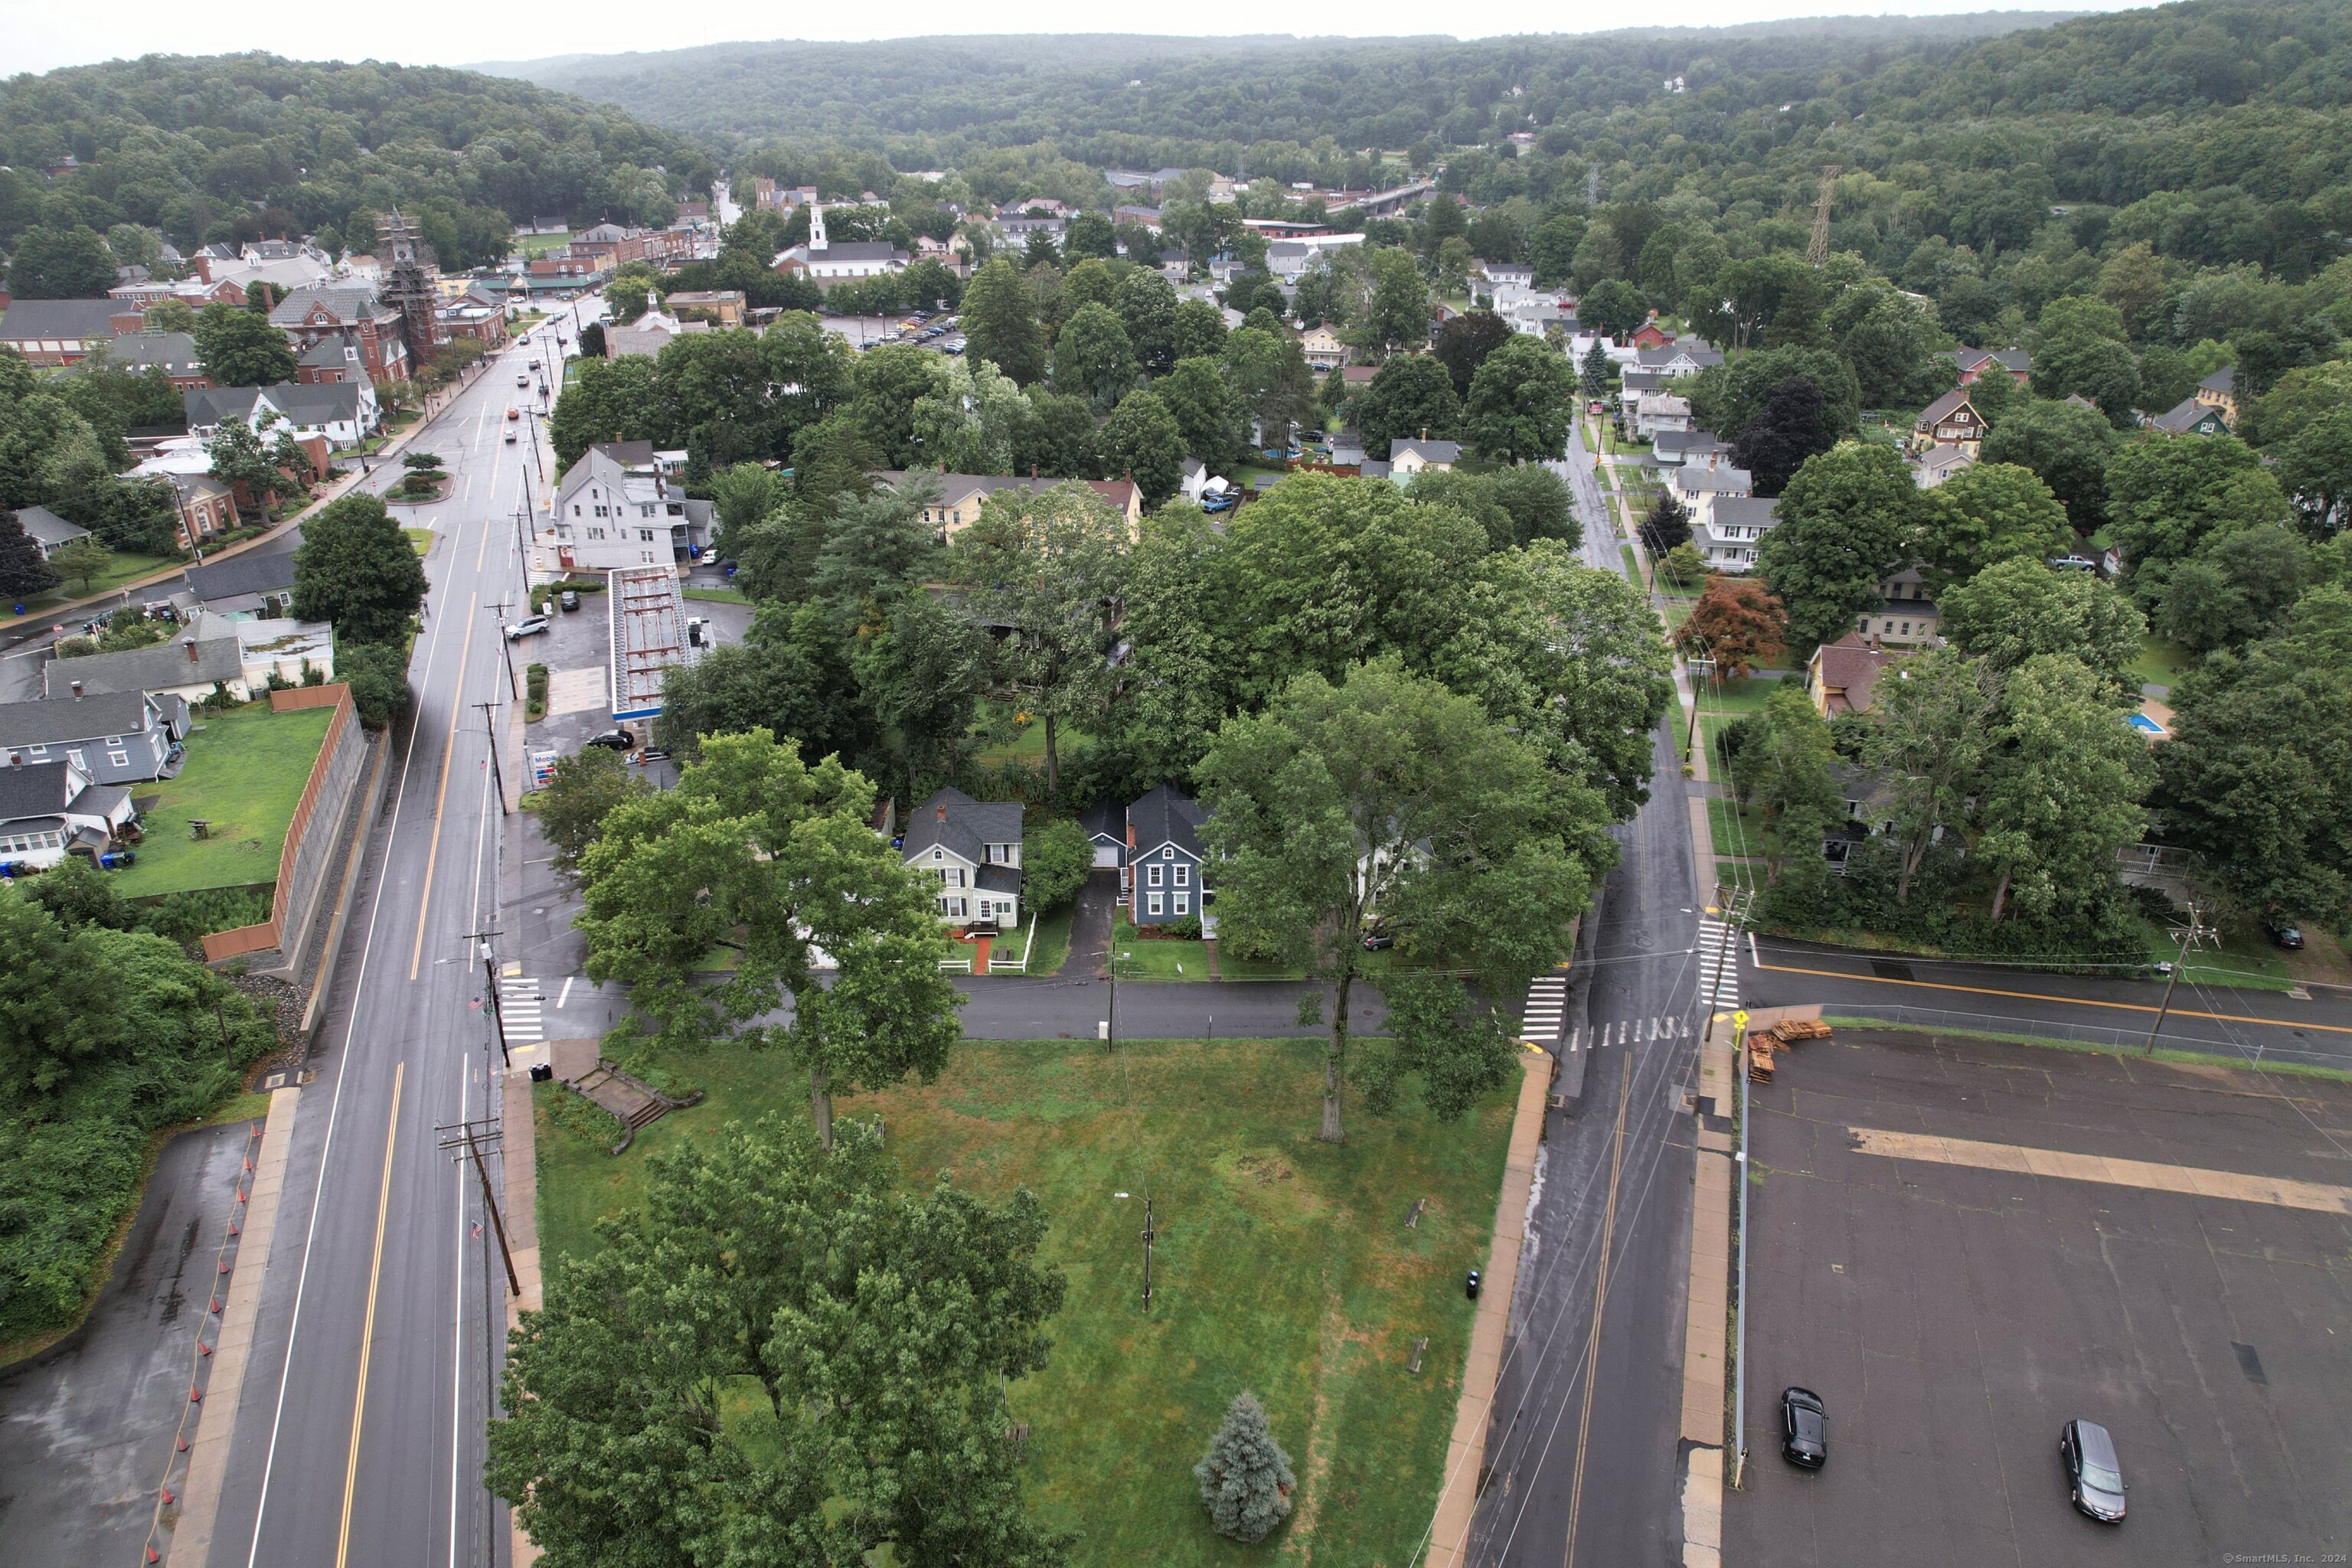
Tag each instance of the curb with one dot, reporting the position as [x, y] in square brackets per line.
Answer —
[519, 1180]
[208, 1454]
[1466, 1451]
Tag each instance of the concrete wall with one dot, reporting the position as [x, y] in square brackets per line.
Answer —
[310, 839]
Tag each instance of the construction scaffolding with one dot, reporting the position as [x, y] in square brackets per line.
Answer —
[649, 637]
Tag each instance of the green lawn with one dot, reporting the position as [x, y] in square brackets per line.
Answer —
[420, 540]
[1175, 958]
[2161, 663]
[1048, 940]
[529, 245]
[245, 775]
[2245, 957]
[721, 596]
[1282, 1266]
[127, 566]
[1734, 834]
[1004, 738]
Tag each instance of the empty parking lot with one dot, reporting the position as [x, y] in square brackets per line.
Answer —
[1963, 1244]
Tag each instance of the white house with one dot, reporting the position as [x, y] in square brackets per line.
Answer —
[974, 848]
[49, 810]
[344, 412]
[1731, 532]
[1408, 458]
[1698, 486]
[1939, 463]
[610, 514]
[1656, 411]
[1686, 355]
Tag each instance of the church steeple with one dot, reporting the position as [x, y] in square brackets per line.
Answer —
[816, 240]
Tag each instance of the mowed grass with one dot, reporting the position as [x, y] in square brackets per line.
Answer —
[127, 566]
[1282, 1266]
[2161, 663]
[245, 775]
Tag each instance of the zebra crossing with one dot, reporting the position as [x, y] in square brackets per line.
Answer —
[1719, 963]
[1631, 1032]
[519, 1007]
[1539, 1023]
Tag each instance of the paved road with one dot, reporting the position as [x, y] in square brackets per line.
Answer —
[360, 1434]
[1584, 1463]
[2224, 1020]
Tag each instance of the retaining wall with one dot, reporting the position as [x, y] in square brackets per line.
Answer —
[311, 837]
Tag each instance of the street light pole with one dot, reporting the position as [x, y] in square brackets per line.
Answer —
[481, 940]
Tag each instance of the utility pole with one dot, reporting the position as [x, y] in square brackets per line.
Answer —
[1730, 937]
[481, 939]
[1690, 742]
[1148, 1234]
[471, 1137]
[497, 778]
[506, 643]
[2196, 932]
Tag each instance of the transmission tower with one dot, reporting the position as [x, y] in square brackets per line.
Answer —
[1819, 250]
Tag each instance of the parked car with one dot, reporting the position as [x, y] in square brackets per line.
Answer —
[1380, 939]
[2283, 931]
[621, 740]
[523, 380]
[530, 625]
[569, 598]
[1804, 1429]
[2094, 1477]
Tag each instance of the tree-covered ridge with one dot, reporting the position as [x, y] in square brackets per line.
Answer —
[1148, 101]
[236, 146]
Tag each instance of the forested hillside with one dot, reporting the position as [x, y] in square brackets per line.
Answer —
[240, 146]
[1148, 101]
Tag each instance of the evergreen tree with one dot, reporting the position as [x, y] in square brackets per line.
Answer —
[1596, 370]
[22, 571]
[1666, 526]
[1245, 1480]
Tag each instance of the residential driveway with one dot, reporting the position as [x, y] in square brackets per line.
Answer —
[1963, 1245]
[87, 1426]
[1090, 926]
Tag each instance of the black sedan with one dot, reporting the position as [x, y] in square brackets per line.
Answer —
[1804, 1429]
[2094, 1477]
[621, 740]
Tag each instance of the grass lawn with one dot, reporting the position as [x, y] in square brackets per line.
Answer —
[1005, 739]
[2161, 663]
[1048, 940]
[529, 245]
[245, 775]
[1174, 958]
[1632, 566]
[419, 539]
[2244, 958]
[1734, 834]
[127, 566]
[721, 596]
[1282, 1266]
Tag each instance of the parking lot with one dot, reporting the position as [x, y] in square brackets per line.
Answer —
[1962, 1245]
[577, 652]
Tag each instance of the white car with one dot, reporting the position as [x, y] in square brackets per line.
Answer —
[529, 625]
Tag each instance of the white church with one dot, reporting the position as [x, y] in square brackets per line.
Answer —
[827, 261]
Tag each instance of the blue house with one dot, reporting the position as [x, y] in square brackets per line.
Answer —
[1162, 881]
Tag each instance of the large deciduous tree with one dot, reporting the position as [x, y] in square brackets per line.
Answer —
[1387, 794]
[1411, 397]
[1988, 512]
[757, 852]
[1093, 358]
[240, 348]
[1520, 403]
[2018, 608]
[357, 569]
[1929, 744]
[2069, 446]
[1791, 427]
[1462, 343]
[2064, 781]
[1000, 324]
[872, 1328]
[1738, 624]
[1142, 441]
[1846, 520]
[1046, 571]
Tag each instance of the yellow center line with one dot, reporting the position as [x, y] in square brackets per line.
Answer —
[367, 1331]
[449, 755]
[2046, 996]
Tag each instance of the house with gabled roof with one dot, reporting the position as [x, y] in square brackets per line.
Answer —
[1950, 421]
[1686, 355]
[2015, 363]
[2219, 391]
[118, 737]
[47, 531]
[973, 848]
[52, 809]
[1163, 881]
[346, 310]
[2190, 417]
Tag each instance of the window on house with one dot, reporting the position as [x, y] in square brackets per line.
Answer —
[1906, 628]
[1184, 903]
[1151, 876]
[595, 533]
[1184, 876]
[1151, 903]
[118, 759]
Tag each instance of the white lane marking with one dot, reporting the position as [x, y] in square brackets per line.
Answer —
[565, 994]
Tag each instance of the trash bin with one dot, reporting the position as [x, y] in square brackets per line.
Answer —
[1470, 1285]
[542, 1072]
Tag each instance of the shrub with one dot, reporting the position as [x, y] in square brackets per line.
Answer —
[378, 673]
[1054, 859]
[534, 681]
[1245, 1480]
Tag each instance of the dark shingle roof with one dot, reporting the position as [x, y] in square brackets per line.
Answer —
[61, 319]
[60, 719]
[146, 668]
[1165, 818]
[247, 573]
[37, 789]
[1105, 820]
[967, 826]
[46, 528]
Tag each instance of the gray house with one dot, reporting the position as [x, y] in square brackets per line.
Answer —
[974, 848]
[244, 588]
[47, 531]
[119, 737]
[50, 810]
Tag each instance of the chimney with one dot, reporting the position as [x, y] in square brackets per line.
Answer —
[77, 691]
[190, 644]
[943, 813]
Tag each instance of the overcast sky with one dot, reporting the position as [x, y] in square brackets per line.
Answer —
[41, 35]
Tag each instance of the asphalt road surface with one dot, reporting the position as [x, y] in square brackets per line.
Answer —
[1581, 1448]
[360, 1435]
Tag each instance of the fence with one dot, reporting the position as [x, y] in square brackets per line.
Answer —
[270, 933]
[2251, 1050]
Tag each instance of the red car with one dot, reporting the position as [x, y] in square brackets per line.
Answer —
[514, 413]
